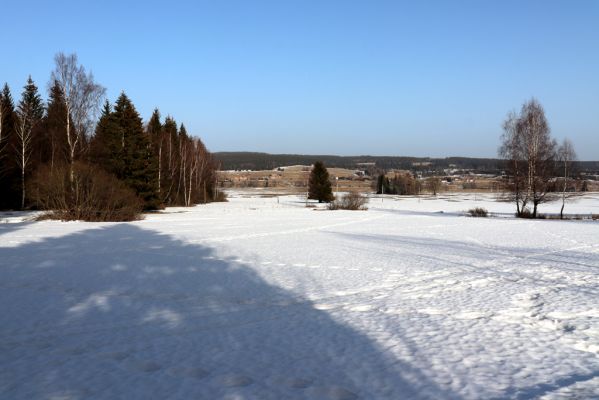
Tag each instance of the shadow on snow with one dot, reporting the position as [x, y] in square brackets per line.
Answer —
[123, 312]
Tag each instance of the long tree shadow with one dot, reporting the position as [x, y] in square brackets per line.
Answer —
[123, 312]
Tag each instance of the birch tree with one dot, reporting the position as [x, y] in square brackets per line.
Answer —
[82, 99]
[531, 153]
[511, 151]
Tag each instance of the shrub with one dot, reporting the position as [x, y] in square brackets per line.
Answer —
[478, 212]
[350, 201]
[95, 195]
[220, 196]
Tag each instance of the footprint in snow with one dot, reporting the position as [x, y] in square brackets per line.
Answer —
[144, 366]
[235, 380]
[298, 383]
[191, 372]
[470, 315]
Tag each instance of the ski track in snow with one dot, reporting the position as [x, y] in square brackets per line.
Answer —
[261, 298]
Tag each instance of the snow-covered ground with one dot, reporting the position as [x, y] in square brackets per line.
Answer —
[262, 298]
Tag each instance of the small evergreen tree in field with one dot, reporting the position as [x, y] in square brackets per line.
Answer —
[320, 184]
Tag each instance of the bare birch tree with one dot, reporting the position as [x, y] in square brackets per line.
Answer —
[531, 154]
[82, 99]
[511, 151]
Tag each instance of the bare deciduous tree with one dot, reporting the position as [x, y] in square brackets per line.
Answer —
[511, 150]
[566, 157]
[433, 184]
[531, 154]
[82, 99]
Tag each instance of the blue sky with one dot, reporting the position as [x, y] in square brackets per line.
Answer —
[427, 78]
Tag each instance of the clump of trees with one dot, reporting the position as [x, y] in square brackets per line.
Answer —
[56, 157]
[319, 184]
[401, 183]
[532, 158]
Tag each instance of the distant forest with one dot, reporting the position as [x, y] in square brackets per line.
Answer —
[265, 161]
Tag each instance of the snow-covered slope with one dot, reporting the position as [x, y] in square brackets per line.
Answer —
[262, 298]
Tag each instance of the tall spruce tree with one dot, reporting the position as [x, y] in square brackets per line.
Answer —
[140, 170]
[9, 169]
[170, 161]
[107, 145]
[29, 115]
[320, 184]
[55, 147]
[155, 133]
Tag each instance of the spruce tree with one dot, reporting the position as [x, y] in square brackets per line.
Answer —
[55, 147]
[170, 161]
[139, 161]
[9, 169]
[320, 184]
[155, 133]
[107, 144]
[29, 115]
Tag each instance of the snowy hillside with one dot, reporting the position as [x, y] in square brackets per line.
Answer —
[263, 298]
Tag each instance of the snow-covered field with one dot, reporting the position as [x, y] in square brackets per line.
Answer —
[262, 298]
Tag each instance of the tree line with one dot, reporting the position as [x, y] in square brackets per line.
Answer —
[60, 156]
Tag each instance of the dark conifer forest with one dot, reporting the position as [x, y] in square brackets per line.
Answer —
[82, 157]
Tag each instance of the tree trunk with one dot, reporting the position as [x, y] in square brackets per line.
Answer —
[23, 178]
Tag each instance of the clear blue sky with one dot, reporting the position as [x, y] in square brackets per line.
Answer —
[422, 78]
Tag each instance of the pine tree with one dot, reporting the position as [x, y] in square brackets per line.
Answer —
[29, 114]
[320, 184]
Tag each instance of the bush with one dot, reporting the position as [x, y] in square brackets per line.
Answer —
[220, 196]
[95, 194]
[478, 212]
[350, 201]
